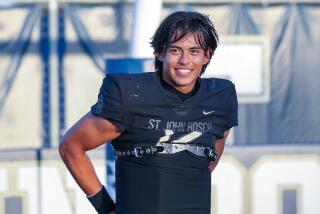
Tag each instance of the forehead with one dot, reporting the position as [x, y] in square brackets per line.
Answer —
[190, 39]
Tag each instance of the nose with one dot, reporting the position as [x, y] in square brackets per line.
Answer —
[184, 59]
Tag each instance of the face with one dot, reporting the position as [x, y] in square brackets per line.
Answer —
[182, 63]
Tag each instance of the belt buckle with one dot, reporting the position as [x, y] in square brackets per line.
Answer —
[136, 152]
[210, 152]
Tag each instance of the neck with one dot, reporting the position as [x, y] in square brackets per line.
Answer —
[181, 90]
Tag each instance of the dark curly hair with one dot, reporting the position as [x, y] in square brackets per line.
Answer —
[177, 25]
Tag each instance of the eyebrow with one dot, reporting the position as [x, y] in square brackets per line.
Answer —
[195, 47]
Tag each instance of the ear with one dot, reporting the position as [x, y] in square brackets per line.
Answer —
[206, 60]
[159, 56]
[207, 57]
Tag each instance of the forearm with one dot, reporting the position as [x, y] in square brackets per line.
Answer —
[88, 133]
[219, 147]
[81, 168]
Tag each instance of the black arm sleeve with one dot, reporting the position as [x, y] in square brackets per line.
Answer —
[102, 202]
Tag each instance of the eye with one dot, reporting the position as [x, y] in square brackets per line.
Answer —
[174, 51]
[195, 51]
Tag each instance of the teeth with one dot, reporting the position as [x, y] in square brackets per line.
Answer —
[183, 70]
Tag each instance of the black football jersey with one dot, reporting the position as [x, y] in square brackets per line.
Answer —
[146, 112]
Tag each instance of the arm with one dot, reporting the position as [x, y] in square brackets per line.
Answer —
[88, 133]
[219, 145]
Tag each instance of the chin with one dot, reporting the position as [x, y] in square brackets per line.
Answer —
[183, 82]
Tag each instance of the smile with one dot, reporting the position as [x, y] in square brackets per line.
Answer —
[183, 70]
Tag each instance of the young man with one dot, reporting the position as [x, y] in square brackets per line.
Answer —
[167, 128]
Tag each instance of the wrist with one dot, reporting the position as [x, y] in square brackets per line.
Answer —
[102, 202]
[89, 196]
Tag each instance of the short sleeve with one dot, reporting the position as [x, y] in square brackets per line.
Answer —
[232, 117]
[109, 105]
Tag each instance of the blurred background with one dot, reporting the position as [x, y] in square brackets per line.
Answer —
[54, 54]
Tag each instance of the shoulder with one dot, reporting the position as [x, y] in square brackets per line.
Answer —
[125, 78]
[217, 85]
[128, 76]
[221, 93]
[124, 85]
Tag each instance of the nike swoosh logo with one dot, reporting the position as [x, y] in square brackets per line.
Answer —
[207, 112]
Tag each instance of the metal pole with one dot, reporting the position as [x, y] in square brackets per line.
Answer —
[54, 84]
[146, 19]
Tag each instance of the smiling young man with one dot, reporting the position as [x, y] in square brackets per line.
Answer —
[167, 128]
[182, 63]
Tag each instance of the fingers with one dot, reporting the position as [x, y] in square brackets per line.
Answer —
[212, 165]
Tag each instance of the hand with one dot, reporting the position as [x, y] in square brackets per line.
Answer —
[212, 165]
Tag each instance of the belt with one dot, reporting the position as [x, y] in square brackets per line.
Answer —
[167, 148]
